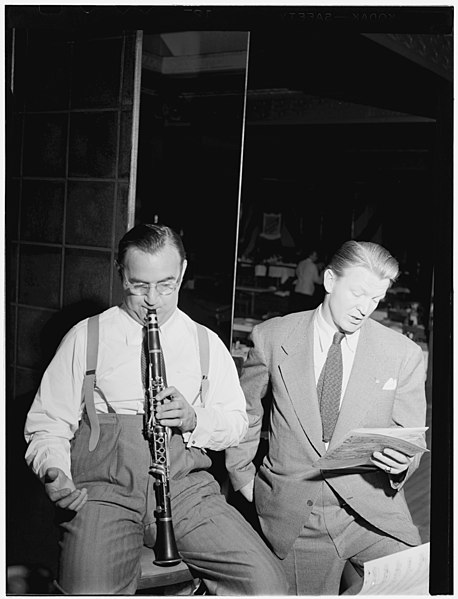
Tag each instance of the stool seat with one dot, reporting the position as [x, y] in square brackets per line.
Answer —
[160, 576]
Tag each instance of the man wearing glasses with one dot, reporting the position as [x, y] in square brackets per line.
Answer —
[106, 493]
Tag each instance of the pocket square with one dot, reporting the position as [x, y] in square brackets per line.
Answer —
[390, 385]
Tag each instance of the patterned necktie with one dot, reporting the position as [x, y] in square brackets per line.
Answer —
[330, 387]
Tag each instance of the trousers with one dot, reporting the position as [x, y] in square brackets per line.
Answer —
[333, 535]
[101, 544]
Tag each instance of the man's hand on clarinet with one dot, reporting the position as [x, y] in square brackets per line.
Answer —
[62, 492]
[175, 410]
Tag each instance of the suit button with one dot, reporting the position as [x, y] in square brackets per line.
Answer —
[309, 502]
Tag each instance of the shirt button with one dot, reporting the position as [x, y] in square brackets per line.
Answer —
[309, 502]
[193, 442]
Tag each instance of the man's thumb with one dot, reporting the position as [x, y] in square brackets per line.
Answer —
[51, 475]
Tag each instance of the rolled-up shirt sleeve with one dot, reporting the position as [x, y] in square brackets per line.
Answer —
[221, 419]
[56, 410]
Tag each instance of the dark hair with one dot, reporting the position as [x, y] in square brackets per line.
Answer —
[369, 255]
[150, 238]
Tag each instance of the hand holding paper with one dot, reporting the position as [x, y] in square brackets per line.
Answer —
[391, 461]
[358, 445]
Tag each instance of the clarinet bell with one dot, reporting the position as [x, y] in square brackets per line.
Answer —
[166, 550]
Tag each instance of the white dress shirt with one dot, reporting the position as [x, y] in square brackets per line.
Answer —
[323, 334]
[307, 276]
[56, 411]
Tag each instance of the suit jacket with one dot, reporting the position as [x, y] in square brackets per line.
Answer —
[286, 484]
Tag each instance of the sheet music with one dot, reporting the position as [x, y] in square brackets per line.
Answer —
[403, 573]
[358, 446]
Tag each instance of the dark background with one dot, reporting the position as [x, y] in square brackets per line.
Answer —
[323, 172]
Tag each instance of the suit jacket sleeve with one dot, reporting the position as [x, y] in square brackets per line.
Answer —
[410, 404]
[254, 381]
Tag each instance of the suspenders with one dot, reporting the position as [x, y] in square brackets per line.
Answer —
[204, 355]
[89, 379]
[91, 366]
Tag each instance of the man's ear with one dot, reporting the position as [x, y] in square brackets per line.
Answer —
[183, 268]
[118, 268]
[329, 279]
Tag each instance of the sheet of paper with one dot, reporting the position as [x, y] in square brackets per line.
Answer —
[403, 573]
[358, 446]
[409, 434]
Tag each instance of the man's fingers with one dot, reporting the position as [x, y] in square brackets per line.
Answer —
[59, 494]
[391, 461]
[169, 421]
[388, 465]
[399, 457]
[157, 469]
[78, 503]
[67, 501]
[168, 392]
[169, 405]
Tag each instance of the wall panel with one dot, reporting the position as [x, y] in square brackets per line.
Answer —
[68, 178]
[70, 138]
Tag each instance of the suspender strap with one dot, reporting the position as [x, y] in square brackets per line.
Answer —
[89, 379]
[204, 355]
[91, 366]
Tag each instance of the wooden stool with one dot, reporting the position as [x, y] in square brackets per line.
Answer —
[153, 576]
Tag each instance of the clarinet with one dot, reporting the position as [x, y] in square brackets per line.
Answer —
[158, 440]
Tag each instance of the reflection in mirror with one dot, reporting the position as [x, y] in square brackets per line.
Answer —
[331, 155]
[190, 139]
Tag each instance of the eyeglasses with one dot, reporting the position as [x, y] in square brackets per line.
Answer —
[163, 287]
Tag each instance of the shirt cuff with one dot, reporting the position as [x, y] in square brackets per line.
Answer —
[201, 435]
[397, 480]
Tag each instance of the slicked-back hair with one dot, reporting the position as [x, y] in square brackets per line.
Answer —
[368, 255]
[150, 239]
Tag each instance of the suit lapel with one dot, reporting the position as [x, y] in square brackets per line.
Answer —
[298, 374]
[357, 400]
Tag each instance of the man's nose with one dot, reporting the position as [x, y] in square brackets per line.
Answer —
[152, 293]
[363, 306]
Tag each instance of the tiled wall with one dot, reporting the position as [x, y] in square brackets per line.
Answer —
[68, 162]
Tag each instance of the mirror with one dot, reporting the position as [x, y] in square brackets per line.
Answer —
[190, 142]
[332, 155]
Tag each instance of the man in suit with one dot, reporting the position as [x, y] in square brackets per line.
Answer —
[330, 370]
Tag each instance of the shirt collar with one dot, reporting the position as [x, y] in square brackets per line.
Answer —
[326, 332]
[133, 330]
